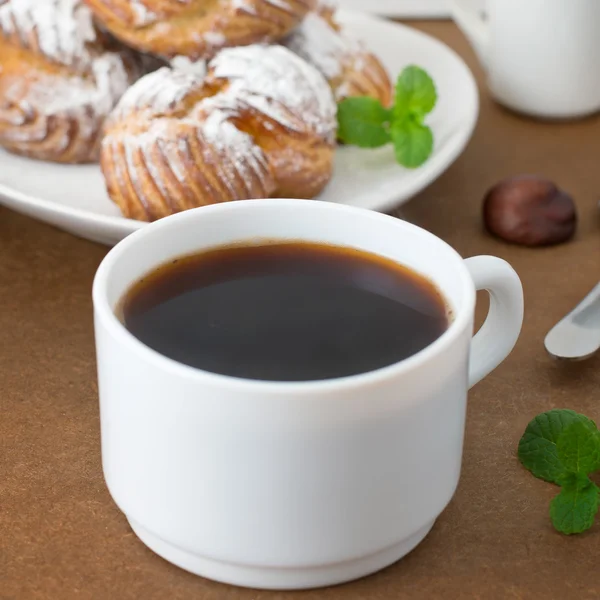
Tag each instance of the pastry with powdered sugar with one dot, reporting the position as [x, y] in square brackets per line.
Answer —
[60, 77]
[261, 122]
[347, 64]
[197, 29]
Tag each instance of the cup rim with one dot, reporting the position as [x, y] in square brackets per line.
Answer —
[119, 332]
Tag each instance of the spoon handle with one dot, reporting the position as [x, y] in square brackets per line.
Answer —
[577, 336]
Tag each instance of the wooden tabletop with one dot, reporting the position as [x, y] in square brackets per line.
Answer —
[62, 537]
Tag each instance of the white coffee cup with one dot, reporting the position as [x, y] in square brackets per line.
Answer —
[541, 56]
[291, 485]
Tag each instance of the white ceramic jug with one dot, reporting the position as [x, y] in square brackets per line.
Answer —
[542, 57]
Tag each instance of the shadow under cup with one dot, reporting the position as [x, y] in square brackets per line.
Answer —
[272, 484]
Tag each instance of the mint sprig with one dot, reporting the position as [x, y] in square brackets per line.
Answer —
[365, 122]
[537, 449]
[413, 143]
[563, 447]
[415, 93]
[574, 509]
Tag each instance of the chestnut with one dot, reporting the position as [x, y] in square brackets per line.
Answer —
[530, 211]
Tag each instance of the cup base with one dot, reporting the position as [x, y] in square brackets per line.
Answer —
[279, 578]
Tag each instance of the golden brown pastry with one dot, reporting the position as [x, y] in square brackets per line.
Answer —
[59, 79]
[260, 123]
[350, 68]
[198, 28]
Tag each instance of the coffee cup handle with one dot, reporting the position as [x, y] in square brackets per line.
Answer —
[499, 334]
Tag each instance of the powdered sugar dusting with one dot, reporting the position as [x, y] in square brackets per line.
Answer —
[327, 49]
[330, 51]
[229, 140]
[282, 4]
[159, 91]
[142, 14]
[318, 43]
[243, 5]
[275, 82]
[183, 63]
[237, 161]
[215, 38]
[76, 94]
[85, 101]
[249, 6]
[62, 29]
[269, 80]
[171, 151]
[246, 156]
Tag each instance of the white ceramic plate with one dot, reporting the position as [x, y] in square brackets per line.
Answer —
[74, 198]
[401, 9]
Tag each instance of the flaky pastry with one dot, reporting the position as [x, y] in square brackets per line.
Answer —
[59, 79]
[350, 68]
[198, 29]
[260, 123]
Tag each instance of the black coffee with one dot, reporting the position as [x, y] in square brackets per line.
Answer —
[285, 311]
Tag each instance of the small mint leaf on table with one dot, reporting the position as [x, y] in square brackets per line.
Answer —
[578, 448]
[413, 143]
[415, 93]
[537, 449]
[574, 509]
[362, 121]
[574, 481]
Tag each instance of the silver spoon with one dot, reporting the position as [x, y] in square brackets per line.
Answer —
[577, 336]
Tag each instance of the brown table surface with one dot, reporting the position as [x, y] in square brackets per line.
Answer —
[61, 536]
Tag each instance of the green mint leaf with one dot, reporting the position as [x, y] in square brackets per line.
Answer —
[415, 93]
[362, 121]
[413, 143]
[574, 509]
[578, 448]
[537, 448]
[574, 481]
